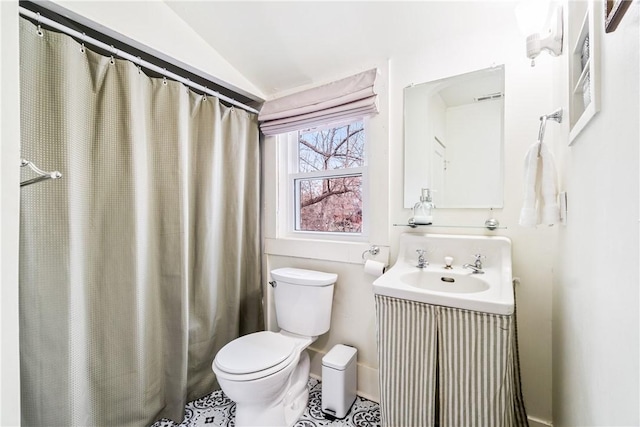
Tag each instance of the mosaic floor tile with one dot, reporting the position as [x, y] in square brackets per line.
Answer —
[218, 410]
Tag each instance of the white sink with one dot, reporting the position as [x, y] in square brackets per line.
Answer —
[445, 281]
[490, 292]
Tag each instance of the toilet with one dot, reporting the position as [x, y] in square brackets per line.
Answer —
[266, 373]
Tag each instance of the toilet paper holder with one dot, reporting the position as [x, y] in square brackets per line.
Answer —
[373, 250]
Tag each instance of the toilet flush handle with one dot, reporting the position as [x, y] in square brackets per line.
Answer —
[273, 283]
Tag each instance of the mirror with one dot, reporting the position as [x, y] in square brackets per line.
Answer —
[453, 138]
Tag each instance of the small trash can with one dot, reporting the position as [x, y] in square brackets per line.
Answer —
[339, 380]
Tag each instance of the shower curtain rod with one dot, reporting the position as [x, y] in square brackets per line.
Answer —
[136, 60]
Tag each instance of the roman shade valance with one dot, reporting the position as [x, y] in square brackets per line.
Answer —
[337, 102]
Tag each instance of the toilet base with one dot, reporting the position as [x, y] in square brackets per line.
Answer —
[286, 409]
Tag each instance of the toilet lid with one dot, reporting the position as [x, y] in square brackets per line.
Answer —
[254, 352]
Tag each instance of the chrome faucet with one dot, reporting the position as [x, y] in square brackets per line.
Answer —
[422, 262]
[477, 265]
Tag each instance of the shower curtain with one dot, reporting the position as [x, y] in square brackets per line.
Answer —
[144, 259]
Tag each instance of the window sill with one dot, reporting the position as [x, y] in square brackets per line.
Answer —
[325, 250]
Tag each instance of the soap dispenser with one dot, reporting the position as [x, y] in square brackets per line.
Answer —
[422, 209]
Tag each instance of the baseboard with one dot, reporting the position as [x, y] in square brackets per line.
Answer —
[536, 422]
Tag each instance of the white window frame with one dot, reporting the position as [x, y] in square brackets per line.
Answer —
[288, 174]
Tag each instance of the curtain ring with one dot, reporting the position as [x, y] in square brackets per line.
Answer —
[39, 32]
[82, 49]
[164, 80]
[204, 98]
[139, 67]
[113, 52]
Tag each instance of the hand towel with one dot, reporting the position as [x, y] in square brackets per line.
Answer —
[540, 204]
[549, 190]
[528, 213]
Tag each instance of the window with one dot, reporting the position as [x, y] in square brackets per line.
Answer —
[327, 179]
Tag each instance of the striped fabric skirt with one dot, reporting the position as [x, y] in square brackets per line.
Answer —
[442, 366]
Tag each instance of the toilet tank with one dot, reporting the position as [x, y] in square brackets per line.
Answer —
[303, 300]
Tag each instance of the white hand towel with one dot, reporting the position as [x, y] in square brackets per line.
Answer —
[528, 213]
[540, 204]
[549, 190]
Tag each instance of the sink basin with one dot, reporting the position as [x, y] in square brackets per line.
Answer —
[445, 282]
[490, 292]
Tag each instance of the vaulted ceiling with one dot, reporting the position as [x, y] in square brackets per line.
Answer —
[280, 45]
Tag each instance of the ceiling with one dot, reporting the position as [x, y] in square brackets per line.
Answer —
[281, 45]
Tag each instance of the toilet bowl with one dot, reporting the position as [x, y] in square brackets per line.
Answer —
[266, 373]
[265, 395]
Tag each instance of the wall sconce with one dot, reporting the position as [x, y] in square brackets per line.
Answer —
[541, 22]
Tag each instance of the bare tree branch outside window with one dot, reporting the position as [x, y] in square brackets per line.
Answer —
[331, 203]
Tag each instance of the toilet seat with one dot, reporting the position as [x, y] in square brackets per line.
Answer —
[255, 356]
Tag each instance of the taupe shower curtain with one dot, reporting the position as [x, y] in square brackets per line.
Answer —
[143, 260]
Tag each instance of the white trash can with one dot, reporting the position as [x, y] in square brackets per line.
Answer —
[339, 380]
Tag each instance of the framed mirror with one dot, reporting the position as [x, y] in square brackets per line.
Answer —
[454, 140]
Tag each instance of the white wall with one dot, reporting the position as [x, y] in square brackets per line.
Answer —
[596, 299]
[528, 95]
[9, 221]
[155, 25]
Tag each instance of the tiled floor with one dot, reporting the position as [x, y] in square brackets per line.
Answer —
[218, 410]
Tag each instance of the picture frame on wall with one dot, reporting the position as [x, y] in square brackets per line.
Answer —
[613, 13]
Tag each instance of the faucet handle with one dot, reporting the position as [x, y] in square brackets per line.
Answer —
[479, 258]
[422, 262]
[448, 260]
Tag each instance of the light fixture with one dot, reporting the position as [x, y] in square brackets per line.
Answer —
[541, 22]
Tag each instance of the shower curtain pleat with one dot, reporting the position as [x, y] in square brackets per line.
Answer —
[143, 260]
